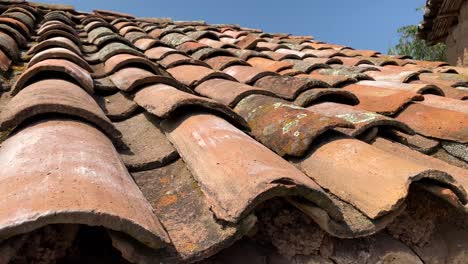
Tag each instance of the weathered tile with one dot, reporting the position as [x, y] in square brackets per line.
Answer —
[233, 187]
[228, 92]
[285, 128]
[317, 95]
[436, 122]
[60, 178]
[66, 67]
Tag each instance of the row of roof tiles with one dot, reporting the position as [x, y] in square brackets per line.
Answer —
[212, 121]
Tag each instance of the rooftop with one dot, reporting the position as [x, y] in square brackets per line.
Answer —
[147, 140]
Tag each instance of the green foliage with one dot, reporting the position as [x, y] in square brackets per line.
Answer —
[411, 45]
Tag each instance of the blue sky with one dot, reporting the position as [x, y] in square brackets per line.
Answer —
[361, 24]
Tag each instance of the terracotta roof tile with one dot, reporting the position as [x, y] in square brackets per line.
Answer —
[382, 100]
[293, 133]
[433, 122]
[71, 69]
[363, 121]
[112, 200]
[211, 120]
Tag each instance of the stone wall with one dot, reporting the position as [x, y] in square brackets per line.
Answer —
[457, 40]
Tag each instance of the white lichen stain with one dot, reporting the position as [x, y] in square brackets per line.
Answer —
[357, 118]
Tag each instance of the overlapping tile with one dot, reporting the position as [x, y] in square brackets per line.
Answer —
[170, 87]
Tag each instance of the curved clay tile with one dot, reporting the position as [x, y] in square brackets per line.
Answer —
[408, 87]
[247, 74]
[285, 128]
[55, 42]
[175, 39]
[177, 59]
[69, 68]
[209, 52]
[146, 146]
[362, 120]
[331, 80]
[115, 48]
[135, 35]
[58, 15]
[92, 188]
[122, 60]
[393, 75]
[59, 33]
[8, 46]
[228, 92]
[459, 174]
[247, 54]
[255, 176]
[445, 103]
[307, 66]
[270, 46]
[436, 122]
[131, 78]
[363, 53]
[116, 106]
[14, 23]
[288, 87]
[269, 65]
[104, 40]
[220, 63]
[121, 24]
[92, 18]
[327, 53]
[382, 100]
[175, 194]
[346, 71]
[377, 188]
[19, 38]
[59, 53]
[353, 61]
[25, 19]
[21, 9]
[216, 43]
[192, 75]
[95, 24]
[99, 32]
[159, 53]
[280, 56]
[144, 44]
[315, 95]
[130, 28]
[197, 35]
[190, 47]
[55, 25]
[5, 62]
[55, 96]
[328, 61]
[162, 100]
